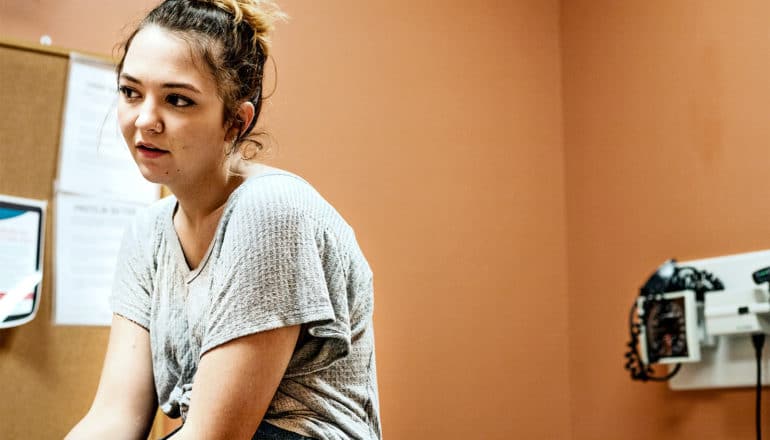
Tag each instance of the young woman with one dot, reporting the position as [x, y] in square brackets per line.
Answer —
[243, 303]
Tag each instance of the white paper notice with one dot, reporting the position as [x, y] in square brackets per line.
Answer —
[94, 159]
[88, 234]
[21, 258]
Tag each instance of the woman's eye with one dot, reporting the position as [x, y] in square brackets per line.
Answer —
[179, 101]
[128, 92]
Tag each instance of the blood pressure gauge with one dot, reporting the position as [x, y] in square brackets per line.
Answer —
[666, 329]
[669, 328]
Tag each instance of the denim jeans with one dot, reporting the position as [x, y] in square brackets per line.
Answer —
[265, 431]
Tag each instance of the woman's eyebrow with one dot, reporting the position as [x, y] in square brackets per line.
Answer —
[174, 85]
[129, 78]
[186, 86]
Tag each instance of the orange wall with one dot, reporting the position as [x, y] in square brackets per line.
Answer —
[82, 25]
[435, 128]
[666, 135]
[437, 134]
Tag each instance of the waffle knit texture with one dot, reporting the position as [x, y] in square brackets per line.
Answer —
[281, 256]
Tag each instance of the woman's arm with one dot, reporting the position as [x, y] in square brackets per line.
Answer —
[125, 401]
[235, 384]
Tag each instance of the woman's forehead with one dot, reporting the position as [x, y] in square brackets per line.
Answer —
[156, 54]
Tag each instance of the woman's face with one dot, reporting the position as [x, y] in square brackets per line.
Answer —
[169, 111]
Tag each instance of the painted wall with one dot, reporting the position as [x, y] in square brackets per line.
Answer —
[437, 134]
[666, 139]
[435, 129]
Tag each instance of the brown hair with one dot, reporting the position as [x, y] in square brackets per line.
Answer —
[232, 37]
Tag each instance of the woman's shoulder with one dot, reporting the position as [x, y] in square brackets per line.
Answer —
[279, 205]
[149, 219]
[278, 192]
[273, 182]
[158, 209]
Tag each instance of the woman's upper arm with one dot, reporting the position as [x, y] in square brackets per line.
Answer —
[125, 399]
[235, 384]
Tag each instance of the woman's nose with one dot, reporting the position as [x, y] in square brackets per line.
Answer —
[148, 119]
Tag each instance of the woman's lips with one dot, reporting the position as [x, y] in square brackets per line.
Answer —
[150, 152]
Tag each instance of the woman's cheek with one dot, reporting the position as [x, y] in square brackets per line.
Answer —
[124, 122]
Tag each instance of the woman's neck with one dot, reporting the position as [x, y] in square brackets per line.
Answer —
[199, 201]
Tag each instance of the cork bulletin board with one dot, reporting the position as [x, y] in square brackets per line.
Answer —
[48, 374]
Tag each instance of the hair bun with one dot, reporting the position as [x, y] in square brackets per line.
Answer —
[261, 15]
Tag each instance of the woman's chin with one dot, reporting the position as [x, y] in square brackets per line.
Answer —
[154, 176]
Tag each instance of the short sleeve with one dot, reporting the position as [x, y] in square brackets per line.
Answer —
[285, 271]
[131, 289]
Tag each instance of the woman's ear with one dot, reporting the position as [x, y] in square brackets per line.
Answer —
[241, 121]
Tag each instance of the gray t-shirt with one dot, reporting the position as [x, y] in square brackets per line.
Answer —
[280, 256]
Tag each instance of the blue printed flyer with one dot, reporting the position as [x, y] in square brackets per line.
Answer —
[21, 258]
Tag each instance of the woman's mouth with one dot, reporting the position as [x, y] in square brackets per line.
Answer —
[150, 151]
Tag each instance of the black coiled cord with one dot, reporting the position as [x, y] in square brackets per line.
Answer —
[634, 363]
[681, 278]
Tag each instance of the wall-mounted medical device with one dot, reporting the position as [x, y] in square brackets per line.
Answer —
[670, 333]
[738, 312]
[667, 318]
[701, 313]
